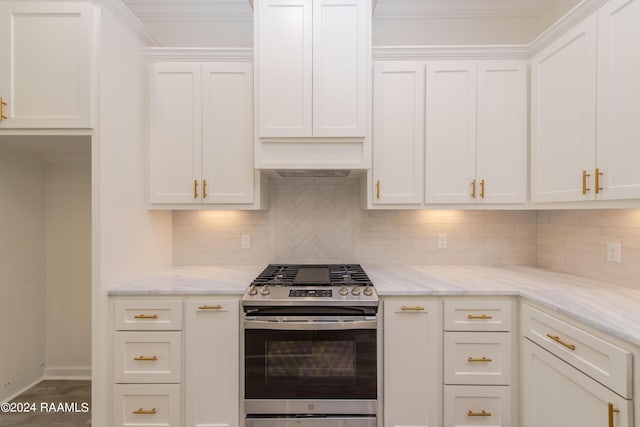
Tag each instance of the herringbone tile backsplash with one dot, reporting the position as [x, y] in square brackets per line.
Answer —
[321, 220]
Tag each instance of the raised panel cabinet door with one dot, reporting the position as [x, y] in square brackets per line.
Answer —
[398, 132]
[563, 116]
[283, 41]
[46, 64]
[618, 100]
[341, 44]
[412, 337]
[450, 157]
[227, 133]
[501, 161]
[175, 134]
[212, 383]
[557, 395]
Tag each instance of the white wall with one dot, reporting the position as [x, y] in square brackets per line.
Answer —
[22, 270]
[68, 266]
[128, 240]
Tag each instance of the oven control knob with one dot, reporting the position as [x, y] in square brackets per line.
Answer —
[355, 291]
[368, 291]
[343, 291]
[252, 290]
[265, 290]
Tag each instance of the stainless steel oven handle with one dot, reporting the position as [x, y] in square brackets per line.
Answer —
[310, 325]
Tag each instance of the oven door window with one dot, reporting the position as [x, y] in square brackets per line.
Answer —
[310, 364]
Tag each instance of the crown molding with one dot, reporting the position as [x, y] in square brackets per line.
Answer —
[422, 53]
[191, 10]
[420, 9]
[196, 54]
[132, 21]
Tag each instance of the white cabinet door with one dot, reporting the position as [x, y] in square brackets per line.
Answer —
[46, 64]
[340, 71]
[398, 132]
[618, 127]
[412, 358]
[563, 116]
[283, 40]
[227, 133]
[212, 383]
[451, 132]
[501, 162]
[558, 395]
[175, 133]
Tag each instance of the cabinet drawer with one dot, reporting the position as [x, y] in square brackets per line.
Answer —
[601, 360]
[477, 315]
[143, 405]
[477, 406]
[147, 315]
[142, 357]
[477, 358]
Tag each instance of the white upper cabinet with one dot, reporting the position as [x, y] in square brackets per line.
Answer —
[476, 132]
[618, 129]
[312, 65]
[563, 114]
[398, 132]
[201, 133]
[46, 64]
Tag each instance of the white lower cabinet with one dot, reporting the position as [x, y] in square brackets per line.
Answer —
[477, 406]
[144, 405]
[412, 363]
[212, 384]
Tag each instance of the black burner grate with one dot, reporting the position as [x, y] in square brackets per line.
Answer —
[339, 274]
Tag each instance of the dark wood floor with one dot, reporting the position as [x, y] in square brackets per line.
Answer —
[57, 404]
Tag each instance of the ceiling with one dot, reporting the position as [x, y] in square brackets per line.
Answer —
[197, 10]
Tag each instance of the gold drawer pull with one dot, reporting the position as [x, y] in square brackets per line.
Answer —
[484, 413]
[416, 308]
[481, 317]
[611, 412]
[146, 316]
[483, 359]
[378, 189]
[210, 307]
[2, 116]
[141, 411]
[559, 341]
[146, 359]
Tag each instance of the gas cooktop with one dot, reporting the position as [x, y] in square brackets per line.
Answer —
[311, 284]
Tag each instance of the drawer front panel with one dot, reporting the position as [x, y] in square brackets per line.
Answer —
[142, 405]
[601, 360]
[160, 315]
[142, 357]
[477, 406]
[477, 315]
[477, 358]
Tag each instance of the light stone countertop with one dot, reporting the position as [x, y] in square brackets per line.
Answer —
[612, 309]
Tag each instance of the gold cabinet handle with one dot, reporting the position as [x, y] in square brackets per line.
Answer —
[585, 175]
[210, 307]
[204, 188]
[612, 410]
[141, 411]
[146, 359]
[146, 316]
[484, 413]
[195, 188]
[483, 359]
[2, 116]
[378, 189]
[473, 189]
[481, 317]
[559, 341]
[599, 173]
[482, 188]
[416, 308]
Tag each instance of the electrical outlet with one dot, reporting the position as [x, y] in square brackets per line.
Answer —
[245, 241]
[614, 252]
[442, 241]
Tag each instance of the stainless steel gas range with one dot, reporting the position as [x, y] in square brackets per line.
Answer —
[310, 348]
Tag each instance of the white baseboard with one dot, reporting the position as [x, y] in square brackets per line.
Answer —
[67, 373]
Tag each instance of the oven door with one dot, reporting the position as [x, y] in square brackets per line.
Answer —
[346, 421]
[316, 360]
